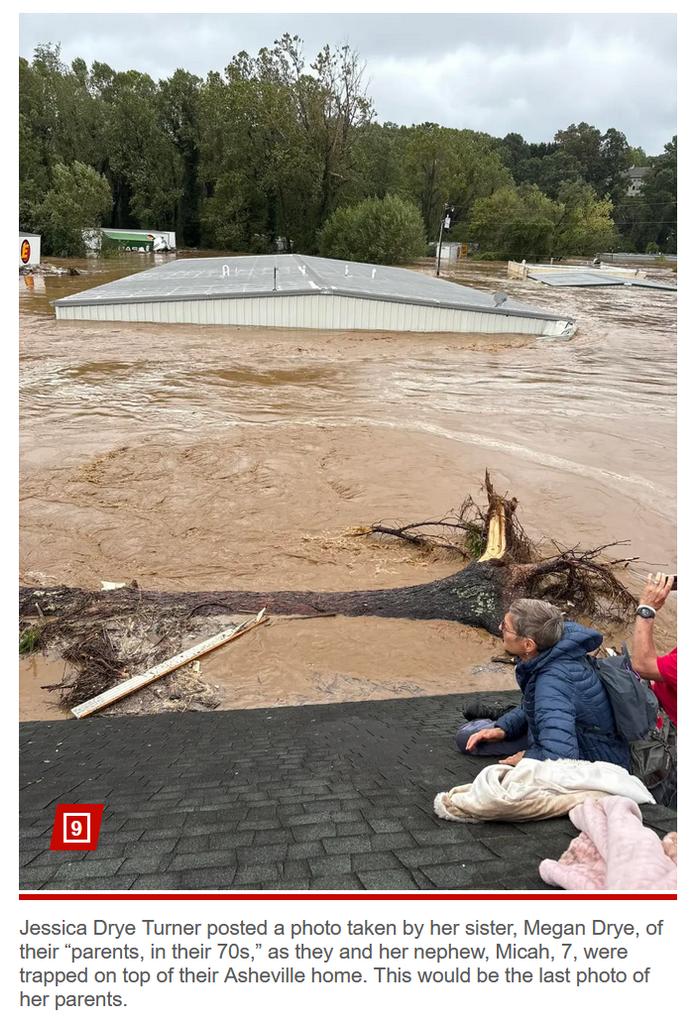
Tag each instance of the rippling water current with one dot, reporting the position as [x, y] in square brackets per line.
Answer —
[195, 457]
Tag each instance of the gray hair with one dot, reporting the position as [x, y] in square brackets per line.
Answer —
[537, 620]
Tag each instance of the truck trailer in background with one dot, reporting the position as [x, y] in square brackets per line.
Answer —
[129, 239]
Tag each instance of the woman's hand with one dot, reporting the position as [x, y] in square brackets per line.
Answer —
[515, 759]
[485, 735]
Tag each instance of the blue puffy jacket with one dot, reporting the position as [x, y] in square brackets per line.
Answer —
[565, 709]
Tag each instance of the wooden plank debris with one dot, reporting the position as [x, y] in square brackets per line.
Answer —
[131, 685]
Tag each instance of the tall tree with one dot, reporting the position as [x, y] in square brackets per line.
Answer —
[638, 157]
[584, 225]
[431, 164]
[338, 109]
[601, 159]
[515, 223]
[260, 179]
[514, 152]
[141, 161]
[179, 100]
[583, 143]
[289, 154]
[554, 170]
[659, 192]
[58, 123]
[445, 165]
[378, 162]
[524, 223]
[616, 159]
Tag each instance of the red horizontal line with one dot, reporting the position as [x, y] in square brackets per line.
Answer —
[343, 896]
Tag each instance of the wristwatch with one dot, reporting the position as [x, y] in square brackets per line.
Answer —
[644, 611]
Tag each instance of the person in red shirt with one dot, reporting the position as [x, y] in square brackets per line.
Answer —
[661, 671]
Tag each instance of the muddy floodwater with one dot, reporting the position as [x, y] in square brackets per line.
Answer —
[189, 457]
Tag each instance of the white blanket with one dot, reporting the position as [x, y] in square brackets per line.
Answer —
[535, 789]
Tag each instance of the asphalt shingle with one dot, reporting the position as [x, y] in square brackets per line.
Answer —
[204, 801]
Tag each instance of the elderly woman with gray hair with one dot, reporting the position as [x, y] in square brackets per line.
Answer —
[565, 711]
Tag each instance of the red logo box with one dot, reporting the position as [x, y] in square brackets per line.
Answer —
[76, 826]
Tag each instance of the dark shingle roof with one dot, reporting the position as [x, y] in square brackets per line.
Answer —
[316, 797]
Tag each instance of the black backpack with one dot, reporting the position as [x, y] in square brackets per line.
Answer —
[636, 712]
[634, 706]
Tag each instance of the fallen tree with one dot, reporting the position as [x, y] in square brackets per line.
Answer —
[502, 564]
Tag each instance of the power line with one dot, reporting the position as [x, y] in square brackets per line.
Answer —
[669, 202]
[619, 206]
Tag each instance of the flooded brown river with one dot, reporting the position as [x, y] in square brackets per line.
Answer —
[191, 457]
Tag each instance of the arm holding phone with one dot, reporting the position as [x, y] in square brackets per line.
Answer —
[644, 656]
[643, 653]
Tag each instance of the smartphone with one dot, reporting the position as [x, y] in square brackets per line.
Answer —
[675, 581]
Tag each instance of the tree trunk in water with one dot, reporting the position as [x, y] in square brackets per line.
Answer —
[108, 633]
[477, 595]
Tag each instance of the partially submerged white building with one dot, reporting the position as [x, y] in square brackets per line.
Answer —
[560, 275]
[307, 292]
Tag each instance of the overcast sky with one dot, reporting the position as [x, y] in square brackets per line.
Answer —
[530, 73]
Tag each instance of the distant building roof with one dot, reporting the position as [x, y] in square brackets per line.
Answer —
[581, 278]
[637, 172]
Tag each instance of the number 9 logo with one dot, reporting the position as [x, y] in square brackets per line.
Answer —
[76, 826]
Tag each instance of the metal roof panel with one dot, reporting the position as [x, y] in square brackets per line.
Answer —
[255, 276]
[593, 278]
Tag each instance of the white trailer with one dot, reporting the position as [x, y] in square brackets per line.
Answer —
[131, 239]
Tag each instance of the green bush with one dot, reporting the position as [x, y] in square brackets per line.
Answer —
[388, 230]
[79, 198]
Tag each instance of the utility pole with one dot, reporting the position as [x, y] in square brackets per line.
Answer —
[445, 221]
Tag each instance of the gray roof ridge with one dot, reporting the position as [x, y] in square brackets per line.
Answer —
[309, 271]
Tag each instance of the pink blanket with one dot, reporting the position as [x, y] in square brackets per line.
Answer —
[614, 851]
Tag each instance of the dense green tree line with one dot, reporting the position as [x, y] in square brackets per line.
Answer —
[277, 148]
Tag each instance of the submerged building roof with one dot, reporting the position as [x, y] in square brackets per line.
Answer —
[574, 278]
[305, 291]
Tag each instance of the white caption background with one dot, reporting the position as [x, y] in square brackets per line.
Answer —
[310, 958]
